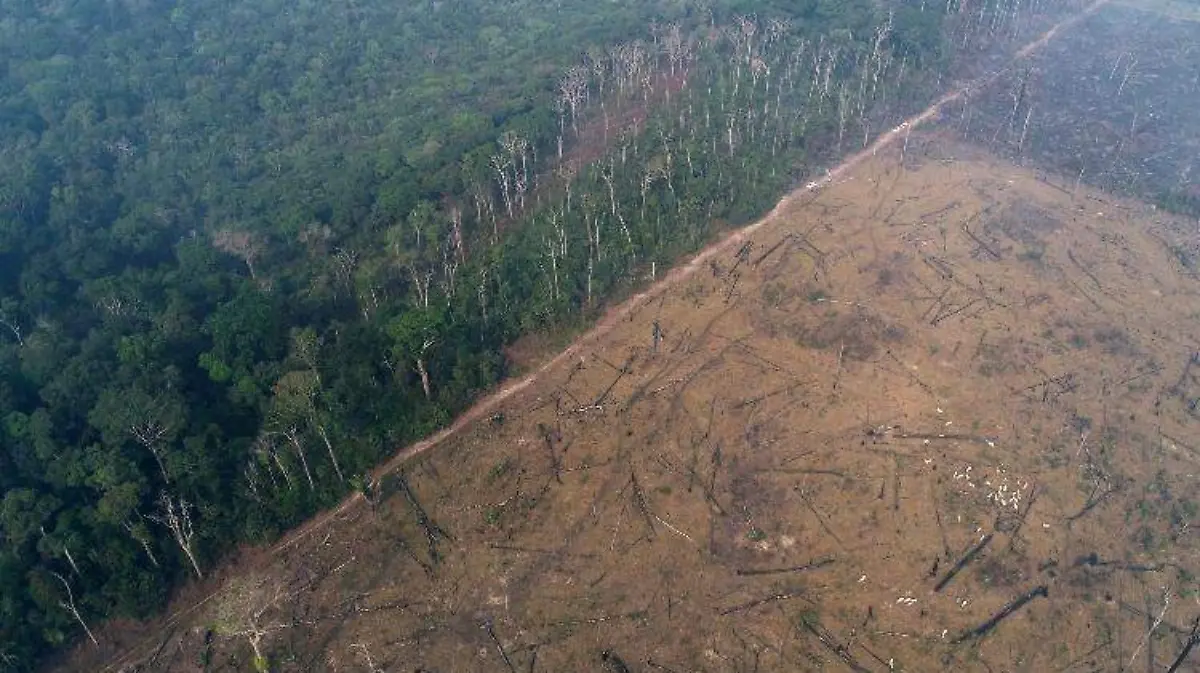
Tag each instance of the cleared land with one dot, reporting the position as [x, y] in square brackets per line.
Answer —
[938, 387]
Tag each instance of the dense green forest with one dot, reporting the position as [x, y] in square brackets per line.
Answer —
[249, 249]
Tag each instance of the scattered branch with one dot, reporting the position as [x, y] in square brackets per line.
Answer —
[433, 532]
[820, 563]
[742, 607]
[487, 626]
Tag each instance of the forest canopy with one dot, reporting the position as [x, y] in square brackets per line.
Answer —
[247, 249]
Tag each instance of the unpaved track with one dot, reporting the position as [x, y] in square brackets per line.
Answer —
[615, 315]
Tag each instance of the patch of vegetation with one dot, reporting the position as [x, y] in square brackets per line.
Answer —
[1035, 256]
[499, 470]
[491, 515]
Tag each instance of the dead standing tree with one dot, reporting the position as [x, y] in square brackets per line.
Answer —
[150, 431]
[422, 370]
[572, 90]
[12, 326]
[176, 516]
[138, 530]
[242, 611]
[677, 48]
[630, 64]
[265, 451]
[556, 248]
[511, 166]
[453, 255]
[296, 403]
[69, 606]
[517, 148]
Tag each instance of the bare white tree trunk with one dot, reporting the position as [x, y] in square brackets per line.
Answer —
[148, 434]
[293, 436]
[177, 517]
[424, 373]
[332, 456]
[12, 327]
[69, 606]
[138, 533]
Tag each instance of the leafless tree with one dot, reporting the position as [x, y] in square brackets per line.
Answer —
[591, 223]
[741, 35]
[116, 306]
[293, 436]
[677, 48]
[422, 371]
[53, 546]
[608, 175]
[141, 534]
[556, 247]
[69, 606]
[501, 165]
[345, 261]
[452, 254]
[552, 255]
[176, 516]
[572, 90]
[843, 104]
[567, 172]
[149, 432]
[246, 609]
[266, 451]
[511, 166]
[758, 70]
[517, 148]
[409, 248]
[482, 294]
[597, 65]
[776, 30]
[629, 64]
[296, 401]
[12, 326]
[649, 177]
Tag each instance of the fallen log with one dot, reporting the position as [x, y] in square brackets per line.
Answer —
[1016, 604]
[748, 572]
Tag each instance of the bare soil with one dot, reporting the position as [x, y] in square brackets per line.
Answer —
[940, 385]
[1111, 103]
